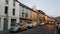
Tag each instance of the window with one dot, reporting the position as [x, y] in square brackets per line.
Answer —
[26, 15]
[14, 3]
[44, 18]
[23, 9]
[22, 14]
[6, 1]
[13, 11]
[6, 10]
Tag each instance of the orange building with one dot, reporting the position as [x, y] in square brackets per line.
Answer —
[42, 15]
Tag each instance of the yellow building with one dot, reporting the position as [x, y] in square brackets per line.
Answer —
[37, 15]
[33, 16]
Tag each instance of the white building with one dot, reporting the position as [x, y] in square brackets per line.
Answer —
[9, 13]
[23, 14]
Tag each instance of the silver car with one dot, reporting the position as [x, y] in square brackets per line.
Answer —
[15, 28]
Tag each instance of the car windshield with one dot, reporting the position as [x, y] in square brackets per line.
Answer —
[58, 22]
[20, 24]
[14, 25]
[29, 22]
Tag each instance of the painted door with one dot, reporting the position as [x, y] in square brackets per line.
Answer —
[5, 27]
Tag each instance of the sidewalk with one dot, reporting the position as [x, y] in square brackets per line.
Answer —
[4, 32]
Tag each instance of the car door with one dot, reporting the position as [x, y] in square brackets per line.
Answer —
[23, 26]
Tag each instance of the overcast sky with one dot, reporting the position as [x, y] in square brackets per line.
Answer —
[50, 7]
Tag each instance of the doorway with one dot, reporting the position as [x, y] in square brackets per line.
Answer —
[5, 26]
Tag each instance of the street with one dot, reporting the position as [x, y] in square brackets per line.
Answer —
[46, 29]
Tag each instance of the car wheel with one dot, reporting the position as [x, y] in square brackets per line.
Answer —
[19, 30]
[29, 27]
[57, 27]
[32, 26]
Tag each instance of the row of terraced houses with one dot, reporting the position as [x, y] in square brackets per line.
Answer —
[13, 11]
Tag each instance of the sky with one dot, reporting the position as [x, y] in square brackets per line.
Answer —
[50, 7]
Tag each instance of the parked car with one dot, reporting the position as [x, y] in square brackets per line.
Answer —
[31, 24]
[40, 24]
[34, 24]
[51, 22]
[15, 28]
[18, 27]
[24, 26]
[58, 25]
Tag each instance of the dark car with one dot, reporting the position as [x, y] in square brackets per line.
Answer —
[58, 25]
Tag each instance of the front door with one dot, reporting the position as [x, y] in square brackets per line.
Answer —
[5, 27]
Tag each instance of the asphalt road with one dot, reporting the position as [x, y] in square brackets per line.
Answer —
[46, 29]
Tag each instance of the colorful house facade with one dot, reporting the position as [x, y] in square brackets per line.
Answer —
[33, 16]
[24, 13]
[43, 16]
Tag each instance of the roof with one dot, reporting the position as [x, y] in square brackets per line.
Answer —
[41, 12]
[24, 5]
